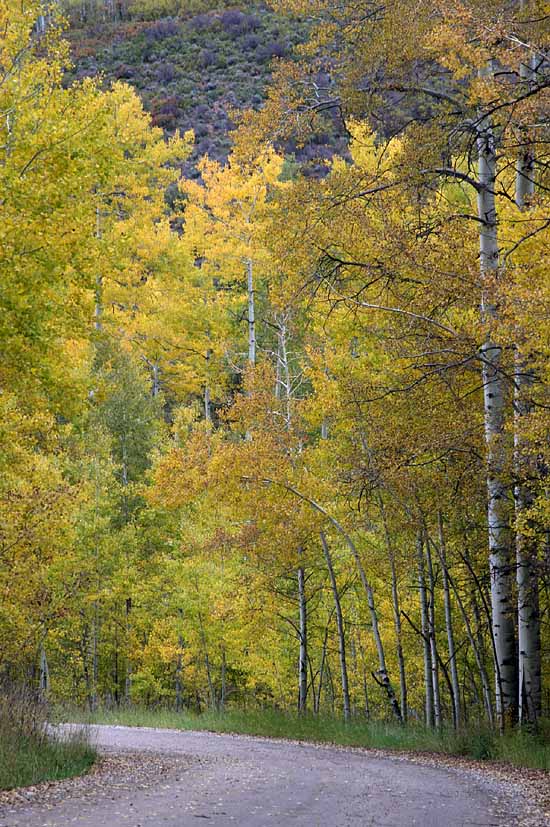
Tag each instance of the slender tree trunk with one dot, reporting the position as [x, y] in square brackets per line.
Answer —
[495, 425]
[283, 369]
[396, 613]
[44, 674]
[433, 639]
[179, 669]
[525, 165]
[529, 639]
[95, 658]
[449, 623]
[128, 679]
[425, 626]
[179, 679]
[330, 684]
[155, 389]
[317, 698]
[223, 681]
[366, 695]
[251, 313]
[339, 626]
[210, 682]
[529, 636]
[302, 661]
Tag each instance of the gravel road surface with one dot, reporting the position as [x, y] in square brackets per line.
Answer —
[169, 778]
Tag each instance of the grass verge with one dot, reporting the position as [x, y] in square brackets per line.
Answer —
[517, 748]
[27, 761]
[30, 752]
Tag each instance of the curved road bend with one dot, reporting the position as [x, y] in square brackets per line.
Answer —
[254, 782]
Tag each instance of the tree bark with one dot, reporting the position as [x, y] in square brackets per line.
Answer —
[396, 614]
[425, 626]
[433, 639]
[251, 313]
[302, 662]
[340, 628]
[495, 421]
[529, 638]
[457, 717]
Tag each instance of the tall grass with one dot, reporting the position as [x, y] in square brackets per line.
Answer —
[481, 743]
[29, 751]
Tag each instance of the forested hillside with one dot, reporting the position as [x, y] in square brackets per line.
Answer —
[195, 66]
[275, 340]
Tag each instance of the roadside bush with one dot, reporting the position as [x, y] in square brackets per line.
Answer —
[30, 751]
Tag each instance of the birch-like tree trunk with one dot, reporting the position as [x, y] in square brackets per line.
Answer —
[396, 613]
[44, 673]
[449, 623]
[495, 408]
[425, 627]
[433, 639]
[317, 698]
[251, 312]
[302, 631]
[529, 639]
[339, 627]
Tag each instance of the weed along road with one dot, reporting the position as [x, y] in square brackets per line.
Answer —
[156, 777]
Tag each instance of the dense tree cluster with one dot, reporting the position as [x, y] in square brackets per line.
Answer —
[277, 439]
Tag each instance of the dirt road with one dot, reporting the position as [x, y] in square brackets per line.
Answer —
[171, 778]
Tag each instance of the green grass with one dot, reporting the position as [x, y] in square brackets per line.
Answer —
[26, 760]
[517, 748]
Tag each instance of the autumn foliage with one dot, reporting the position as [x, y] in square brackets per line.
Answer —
[271, 437]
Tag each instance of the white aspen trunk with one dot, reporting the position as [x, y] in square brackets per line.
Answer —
[251, 313]
[525, 164]
[433, 640]
[396, 614]
[302, 662]
[382, 672]
[457, 717]
[283, 370]
[500, 564]
[425, 627]
[44, 674]
[529, 639]
[155, 388]
[339, 627]
[529, 634]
